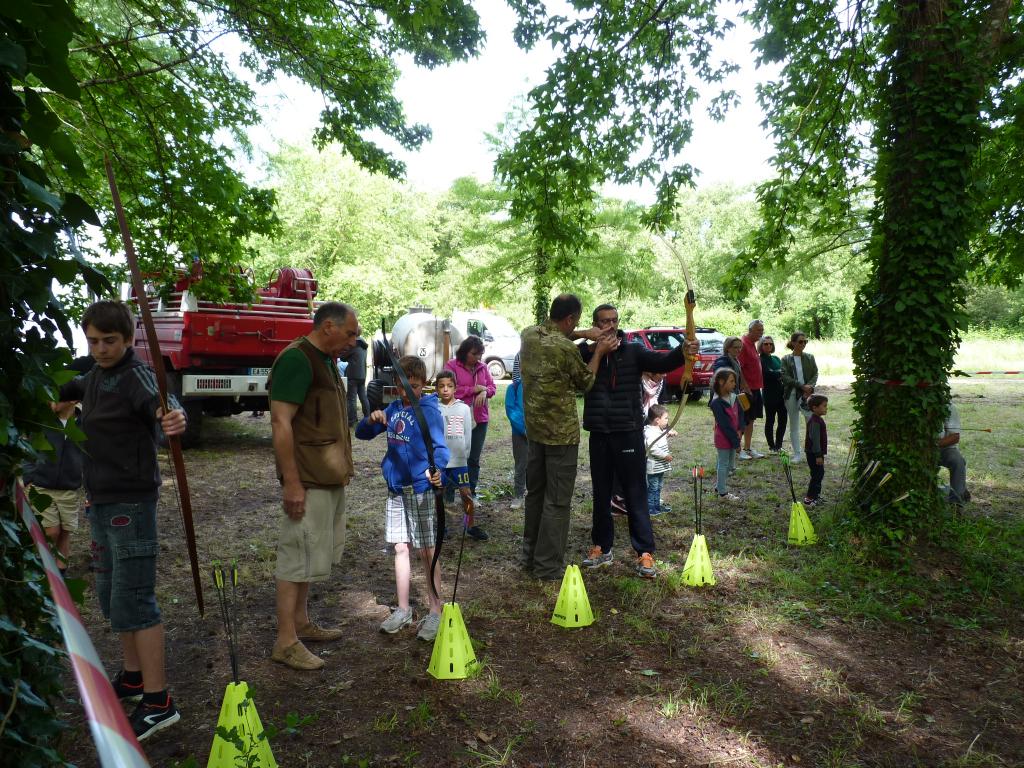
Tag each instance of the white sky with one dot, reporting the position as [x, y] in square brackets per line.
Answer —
[464, 101]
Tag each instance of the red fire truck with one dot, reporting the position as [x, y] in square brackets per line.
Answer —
[218, 356]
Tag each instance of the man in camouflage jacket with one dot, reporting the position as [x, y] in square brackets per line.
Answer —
[553, 372]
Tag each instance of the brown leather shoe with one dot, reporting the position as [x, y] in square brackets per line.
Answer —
[319, 634]
[297, 656]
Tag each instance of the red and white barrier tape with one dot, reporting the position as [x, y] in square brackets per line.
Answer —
[115, 741]
[925, 384]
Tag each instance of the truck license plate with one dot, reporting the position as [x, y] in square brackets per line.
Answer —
[259, 371]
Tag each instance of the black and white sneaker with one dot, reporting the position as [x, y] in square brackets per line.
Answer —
[123, 690]
[148, 719]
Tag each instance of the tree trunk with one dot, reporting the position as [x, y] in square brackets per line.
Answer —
[909, 314]
[541, 284]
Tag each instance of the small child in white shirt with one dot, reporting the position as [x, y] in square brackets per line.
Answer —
[659, 459]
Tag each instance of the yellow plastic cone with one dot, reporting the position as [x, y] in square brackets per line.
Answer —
[573, 606]
[452, 657]
[697, 569]
[238, 711]
[801, 532]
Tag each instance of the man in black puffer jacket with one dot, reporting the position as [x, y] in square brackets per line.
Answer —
[613, 416]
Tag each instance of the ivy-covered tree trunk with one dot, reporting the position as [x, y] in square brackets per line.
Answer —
[541, 284]
[909, 314]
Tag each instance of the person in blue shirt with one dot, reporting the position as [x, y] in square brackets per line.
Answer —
[409, 512]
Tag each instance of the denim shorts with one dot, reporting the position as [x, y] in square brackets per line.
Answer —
[124, 549]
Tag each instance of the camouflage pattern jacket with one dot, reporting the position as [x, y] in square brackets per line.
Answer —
[553, 372]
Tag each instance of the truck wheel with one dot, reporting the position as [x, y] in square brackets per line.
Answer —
[375, 394]
[497, 369]
[194, 429]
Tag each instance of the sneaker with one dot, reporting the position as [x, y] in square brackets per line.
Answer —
[756, 454]
[396, 620]
[744, 455]
[147, 719]
[477, 533]
[429, 627]
[645, 566]
[517, 502]
[657, 511]
[809, 502]
[297, 656]
[664, 508]
[773, 451]
[597, 558]
[618, 505]
[797, 457]
[728, 497]
[123, 690]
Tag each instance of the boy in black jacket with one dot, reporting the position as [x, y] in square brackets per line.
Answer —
[122, 418]
[60, 478]
[816, 446]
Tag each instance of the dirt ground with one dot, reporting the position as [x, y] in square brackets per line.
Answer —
[738, 674]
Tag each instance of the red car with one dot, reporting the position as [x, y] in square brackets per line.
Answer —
[665, 339]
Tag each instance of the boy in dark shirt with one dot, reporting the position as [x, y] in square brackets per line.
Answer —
[60, 478]
[122, 417]
[816, 446]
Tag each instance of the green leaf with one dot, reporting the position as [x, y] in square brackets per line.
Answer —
[12, 59]
[62, 148]
[76, 211]
[40, 194]
[77, 588]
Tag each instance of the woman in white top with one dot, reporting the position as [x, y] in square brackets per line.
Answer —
[799, 377]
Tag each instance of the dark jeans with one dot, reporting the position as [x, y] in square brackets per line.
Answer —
[620, 455]
[357, 388]
[817, 475]
[775, 408]
[550, 480]
[520, 455]
[476, 447]
[124, 550]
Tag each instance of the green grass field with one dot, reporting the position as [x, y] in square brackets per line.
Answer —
[833, 357]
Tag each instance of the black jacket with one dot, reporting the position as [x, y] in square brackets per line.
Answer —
[613, 404]
[64, 471]
[119, 420]
[356, 360]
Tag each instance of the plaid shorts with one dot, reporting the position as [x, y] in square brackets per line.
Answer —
[409, 518]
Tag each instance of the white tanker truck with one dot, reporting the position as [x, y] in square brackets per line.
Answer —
[434, 339]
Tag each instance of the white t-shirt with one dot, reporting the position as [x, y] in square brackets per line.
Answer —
[458, 431]
[951, 426]
[798, 366]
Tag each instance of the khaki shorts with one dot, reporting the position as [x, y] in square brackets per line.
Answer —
[307, 548]
[63, 511]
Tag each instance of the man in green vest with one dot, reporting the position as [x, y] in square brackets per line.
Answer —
[313, 454]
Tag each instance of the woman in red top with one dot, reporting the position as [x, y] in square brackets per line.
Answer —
[473, 386]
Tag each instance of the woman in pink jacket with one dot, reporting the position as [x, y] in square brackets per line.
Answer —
[473, 386]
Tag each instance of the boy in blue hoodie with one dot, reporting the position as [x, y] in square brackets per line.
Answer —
[409, 512]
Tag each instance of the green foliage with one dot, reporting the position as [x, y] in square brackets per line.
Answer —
[878, 116]
[994, 309]
[146, 83]
[37, 224]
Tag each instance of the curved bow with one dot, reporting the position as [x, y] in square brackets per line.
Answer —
[689, 302]
[157, 361]
[428, 443]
